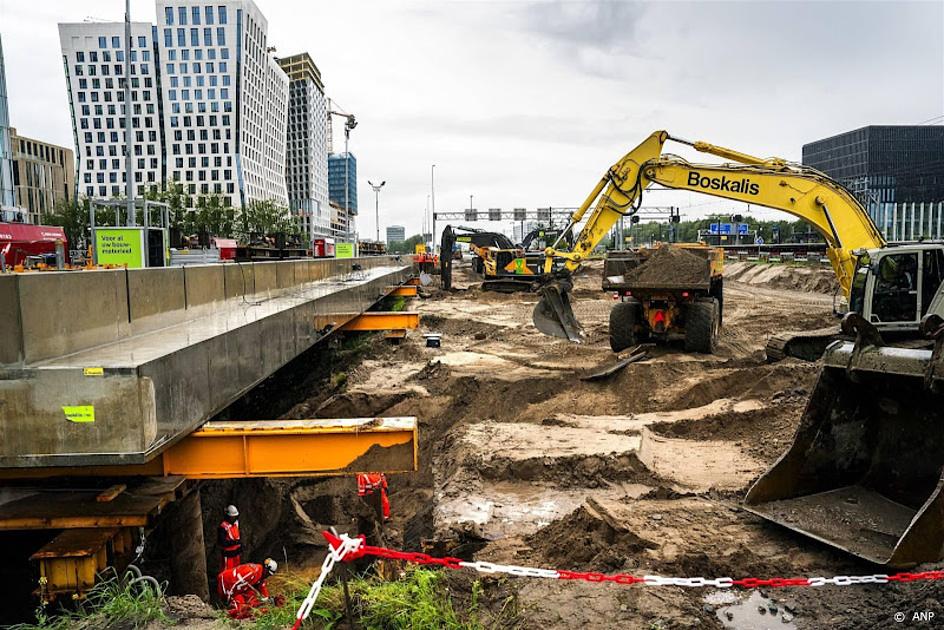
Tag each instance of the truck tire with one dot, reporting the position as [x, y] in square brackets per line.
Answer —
[623, 317]
[702, 325]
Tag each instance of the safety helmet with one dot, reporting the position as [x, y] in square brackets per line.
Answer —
[271, 565]
[232, 511]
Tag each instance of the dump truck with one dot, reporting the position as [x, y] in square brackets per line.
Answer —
[865, 470]
[666, 292]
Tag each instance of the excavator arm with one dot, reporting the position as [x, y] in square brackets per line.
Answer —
[775, 183]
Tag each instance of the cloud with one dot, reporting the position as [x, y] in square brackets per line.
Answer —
[526, 103]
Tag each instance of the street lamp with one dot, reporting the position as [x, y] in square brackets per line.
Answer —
[377, 188]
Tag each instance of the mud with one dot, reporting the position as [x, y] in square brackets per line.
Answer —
[810, 279]
[521, 462]
[669, 267]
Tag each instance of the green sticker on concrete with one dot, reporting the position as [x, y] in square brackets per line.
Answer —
[79, 413]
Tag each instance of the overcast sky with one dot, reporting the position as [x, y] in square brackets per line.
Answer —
[525, 104]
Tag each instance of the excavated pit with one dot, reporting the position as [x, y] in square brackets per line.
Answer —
[523, 463]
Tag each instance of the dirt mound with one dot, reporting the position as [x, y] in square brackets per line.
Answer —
[783, 276]
[586, 471]
[764, 433]
[359, 404]
[586, 539]
[670, 266]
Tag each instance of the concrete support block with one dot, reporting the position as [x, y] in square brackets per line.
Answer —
[203, 285]
[239, 279]
[65, 312]
[266, 278]
[156, 298]
[37, 426]
[188, 567]
[11, 342]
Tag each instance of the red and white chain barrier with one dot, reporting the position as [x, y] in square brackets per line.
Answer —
[345, 548]
[339, 548]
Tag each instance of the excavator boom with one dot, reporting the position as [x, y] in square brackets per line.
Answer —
[865, 471]
[773, 182]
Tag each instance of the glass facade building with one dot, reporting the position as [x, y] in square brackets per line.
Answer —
[6, 152]
[884, 163]
[395, 234]
[337, 178]
[306, 165]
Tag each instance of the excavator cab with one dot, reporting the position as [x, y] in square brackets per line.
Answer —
[864, 472]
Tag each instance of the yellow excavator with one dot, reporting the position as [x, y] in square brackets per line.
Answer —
[864, 472]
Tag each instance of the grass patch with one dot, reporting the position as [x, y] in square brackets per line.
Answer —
[111, 604]
[421, 599]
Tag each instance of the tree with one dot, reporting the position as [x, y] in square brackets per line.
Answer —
[73, 218]
[262, 218]
[405, 247]
[212, 216]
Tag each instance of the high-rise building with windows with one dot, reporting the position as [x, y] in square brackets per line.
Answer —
[6, 153]
[209, 102]
[94, 60]
[884, 163]
[395, 234]
[43, 175]
[306, 166]
[225, 100]
[342, 174]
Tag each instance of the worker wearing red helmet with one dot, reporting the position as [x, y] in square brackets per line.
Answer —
[228, 538]
[243, 588]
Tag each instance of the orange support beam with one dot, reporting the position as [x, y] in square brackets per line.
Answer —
[383, 321]
[266, 448]
[295, 448]
[409, 290]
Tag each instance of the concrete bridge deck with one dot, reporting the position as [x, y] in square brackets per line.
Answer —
[112, 367]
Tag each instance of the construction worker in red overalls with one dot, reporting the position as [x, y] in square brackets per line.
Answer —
[368, 483]
[243, 588]
[228, 537]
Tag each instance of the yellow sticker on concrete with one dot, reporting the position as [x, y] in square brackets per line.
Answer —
[79, 413]
[97, 371]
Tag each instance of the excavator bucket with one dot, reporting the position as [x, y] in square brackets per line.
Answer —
[553, 314]
[864, 472]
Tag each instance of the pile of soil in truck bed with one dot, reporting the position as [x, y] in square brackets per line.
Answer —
[669, 267]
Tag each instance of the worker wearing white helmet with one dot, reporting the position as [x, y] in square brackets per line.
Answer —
[244, 590]
[228, 536]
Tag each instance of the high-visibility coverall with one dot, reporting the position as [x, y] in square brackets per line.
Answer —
[230, 544]
[242, 588]
[368, 483]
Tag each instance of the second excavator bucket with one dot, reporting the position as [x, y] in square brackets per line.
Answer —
[553, 315]
[864, 472]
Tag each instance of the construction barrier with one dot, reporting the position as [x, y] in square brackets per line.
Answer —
[343, 548]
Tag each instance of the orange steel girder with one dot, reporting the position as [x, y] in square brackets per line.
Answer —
[383, 320]
[407, 290]
[270, 448]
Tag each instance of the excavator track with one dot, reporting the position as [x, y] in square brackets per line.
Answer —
[808, 345]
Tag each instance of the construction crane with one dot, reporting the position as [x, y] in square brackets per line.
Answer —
[349, 123]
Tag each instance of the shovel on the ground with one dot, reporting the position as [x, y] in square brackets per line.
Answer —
[638, 353]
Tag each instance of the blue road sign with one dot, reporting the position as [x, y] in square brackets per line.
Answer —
[742, 228]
